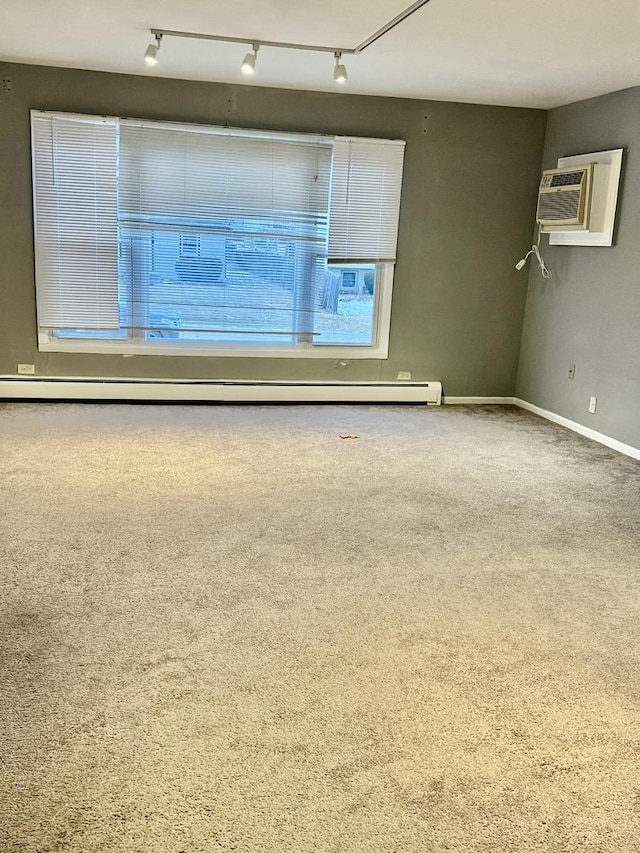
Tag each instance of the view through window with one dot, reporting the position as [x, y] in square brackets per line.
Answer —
[209, 286]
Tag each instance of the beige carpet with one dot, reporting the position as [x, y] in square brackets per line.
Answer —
[227, 629]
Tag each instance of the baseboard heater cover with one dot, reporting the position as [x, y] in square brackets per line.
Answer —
[223, 390]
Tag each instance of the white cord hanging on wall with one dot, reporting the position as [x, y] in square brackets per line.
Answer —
[535, 251]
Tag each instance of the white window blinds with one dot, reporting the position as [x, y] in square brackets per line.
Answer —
[151, 234]
[365, 199]
[198, 173]
[75, 221]
[226, 229]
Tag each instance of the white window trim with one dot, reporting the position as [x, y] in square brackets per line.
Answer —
[378, 350]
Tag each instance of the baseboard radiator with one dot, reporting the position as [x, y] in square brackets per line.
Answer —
[218, 391]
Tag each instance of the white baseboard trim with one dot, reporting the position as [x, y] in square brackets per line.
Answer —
[593, 434]
[241, 391]
[224, 391]
[477, 401]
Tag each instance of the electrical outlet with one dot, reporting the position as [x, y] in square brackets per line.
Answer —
[404, 375]
[593, 402]
[26, 369]
[6, 84]
[572, 371]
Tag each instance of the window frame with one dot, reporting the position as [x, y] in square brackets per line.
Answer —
[137, 341]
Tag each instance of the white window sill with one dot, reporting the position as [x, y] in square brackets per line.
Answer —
[170, 349]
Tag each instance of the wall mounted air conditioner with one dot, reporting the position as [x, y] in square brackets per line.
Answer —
[564, 199]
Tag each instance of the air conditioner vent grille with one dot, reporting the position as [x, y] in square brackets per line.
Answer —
[567, 179]
[559, 206]
[564, 199]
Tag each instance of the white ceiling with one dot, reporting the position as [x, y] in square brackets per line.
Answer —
[540, 53]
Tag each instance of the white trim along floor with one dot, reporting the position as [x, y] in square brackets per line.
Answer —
[431, 393]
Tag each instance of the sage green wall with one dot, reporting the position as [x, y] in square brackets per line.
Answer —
[589, 312]
[469, 189]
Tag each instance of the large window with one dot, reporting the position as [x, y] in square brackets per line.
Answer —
[181, 239]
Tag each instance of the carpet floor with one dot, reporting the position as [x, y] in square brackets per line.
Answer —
[228, 629]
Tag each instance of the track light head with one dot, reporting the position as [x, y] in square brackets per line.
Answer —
[249, 63]
[151, 53]
[340, 75]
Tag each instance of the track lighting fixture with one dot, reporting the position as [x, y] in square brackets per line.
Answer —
[249, 63]
[340, 71]
[151, 53]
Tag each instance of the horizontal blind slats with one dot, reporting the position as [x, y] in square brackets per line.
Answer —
[182, 173]
[75, 221]
[228, 229]
[365, 198]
